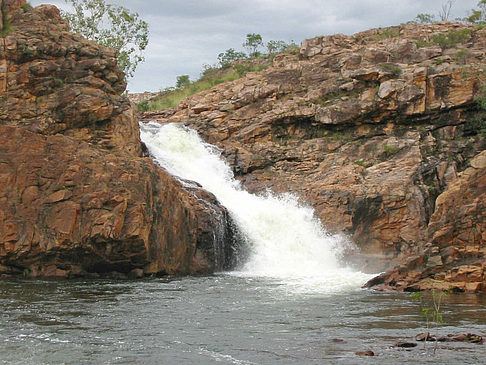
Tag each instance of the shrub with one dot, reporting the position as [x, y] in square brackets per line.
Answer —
[425, 18]
[439, 61]
[461, 56]
[6, 30]
[252, 43]
[276, 46]
[422, 43]
[392, 68]
[390, 150]
[422, 18]
[477, 16]
[230, 55]
[243, 68]
[26, 7]
[452, 38]
[431, 311]
[6, 26]
[143, 106]
[388, 33]
[182, 81]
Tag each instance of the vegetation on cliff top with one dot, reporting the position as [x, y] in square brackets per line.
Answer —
[232, 65]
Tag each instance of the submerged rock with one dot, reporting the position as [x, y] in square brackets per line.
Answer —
[406, 344]
[466, 337]
[424, 337]
[365, 353]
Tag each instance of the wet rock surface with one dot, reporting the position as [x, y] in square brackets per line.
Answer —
[76, 196]
[377, 131]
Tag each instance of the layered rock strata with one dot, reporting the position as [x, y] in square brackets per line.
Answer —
[372, 129]
[76, 196]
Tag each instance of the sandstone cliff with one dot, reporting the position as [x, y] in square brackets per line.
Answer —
[76, 196]
[378, 131]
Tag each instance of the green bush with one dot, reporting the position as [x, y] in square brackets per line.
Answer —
[274, 47]
[388, 33]
[26, 7]
[230, 55]
[461, 56]
[452, 38]
[243, 68]
[481, 98]
[392, 68]
[6, 26]
[390, 150]
[143, 106]
[422, 43]
[252, 43]
[182, 81]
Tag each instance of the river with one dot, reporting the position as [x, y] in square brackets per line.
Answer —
[224, 319]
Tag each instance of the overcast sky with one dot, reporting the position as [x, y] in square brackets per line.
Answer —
[186, 34]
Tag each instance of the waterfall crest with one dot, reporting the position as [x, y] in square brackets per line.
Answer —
[284, 238]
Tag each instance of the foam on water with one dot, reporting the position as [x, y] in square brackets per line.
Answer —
[286, 241]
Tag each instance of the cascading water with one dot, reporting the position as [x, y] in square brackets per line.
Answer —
[285, 240]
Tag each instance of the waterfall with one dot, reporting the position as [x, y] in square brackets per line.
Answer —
[285, 240]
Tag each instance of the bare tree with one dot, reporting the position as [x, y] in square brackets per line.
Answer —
[445, 11]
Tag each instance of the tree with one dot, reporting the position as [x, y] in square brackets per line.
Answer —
[424, 19]
[445, 11]
[444, 14]
[230, 55]
[276, 46]
[478, 15]
[182, 80]
[475, 17]
[252, 43]
[112, 26]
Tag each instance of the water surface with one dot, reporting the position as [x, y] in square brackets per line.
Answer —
[225, 318]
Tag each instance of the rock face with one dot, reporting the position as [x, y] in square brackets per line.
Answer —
[373, 130]
[54, 81]
[76, 196]
[455, 257]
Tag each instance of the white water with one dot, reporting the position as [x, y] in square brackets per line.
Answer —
[286, 241]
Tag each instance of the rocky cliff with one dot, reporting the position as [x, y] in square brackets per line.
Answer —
[381, 132]
[76, 196]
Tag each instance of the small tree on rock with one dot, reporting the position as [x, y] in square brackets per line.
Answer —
[252, 43]
[477, 16]
[182, 80]
[424, 18]
[276, 46]
[230, 55]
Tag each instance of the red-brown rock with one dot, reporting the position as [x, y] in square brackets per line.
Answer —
[76, 197]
